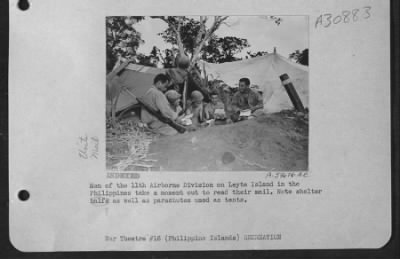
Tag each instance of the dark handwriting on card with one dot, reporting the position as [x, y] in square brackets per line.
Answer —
[88, 147]
[346, 16]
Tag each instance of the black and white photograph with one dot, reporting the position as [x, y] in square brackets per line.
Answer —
[207, 93]
[222, 126]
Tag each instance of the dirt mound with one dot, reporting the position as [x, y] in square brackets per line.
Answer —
[270, 142]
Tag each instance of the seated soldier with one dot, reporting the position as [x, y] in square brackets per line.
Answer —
[155, 99]
[245, 99]
[214, 109]
[174, 100]
[196, 108]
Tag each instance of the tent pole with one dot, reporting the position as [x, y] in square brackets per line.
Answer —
[205, 74]
[184, 95]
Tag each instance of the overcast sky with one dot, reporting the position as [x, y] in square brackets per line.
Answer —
[262, 34]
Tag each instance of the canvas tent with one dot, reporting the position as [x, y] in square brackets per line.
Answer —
[138, 79]
[264, 71]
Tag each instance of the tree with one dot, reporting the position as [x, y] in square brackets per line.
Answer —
[149, 60]
[167, 57]
[122, 39]
[192, 38]
[188, 30]
[216, 50]
[190, 35]
[256, 54]
[300, 57]
[219, 50]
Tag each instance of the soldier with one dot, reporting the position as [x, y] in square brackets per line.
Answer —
[196, 108]
[156, 99]
[245, 99]
[215, 108]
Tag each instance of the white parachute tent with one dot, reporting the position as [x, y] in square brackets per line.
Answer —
[264, 71]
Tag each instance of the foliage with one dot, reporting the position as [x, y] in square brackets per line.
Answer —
[168, 58]
[300, 57]
[256, 54]
[216, 49]
[275, 19]
[195, 40]
[189, 29]
[219, 50]
[149, 60]
[188, 36]
[122, 38]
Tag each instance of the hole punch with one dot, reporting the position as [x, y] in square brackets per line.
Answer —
[23, 5]
[23, 195]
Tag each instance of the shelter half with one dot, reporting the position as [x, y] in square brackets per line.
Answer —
[138, 79]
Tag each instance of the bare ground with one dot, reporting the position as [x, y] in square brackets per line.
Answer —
[277, 142]
[271, 142]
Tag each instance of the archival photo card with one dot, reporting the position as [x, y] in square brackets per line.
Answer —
[188, 126]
